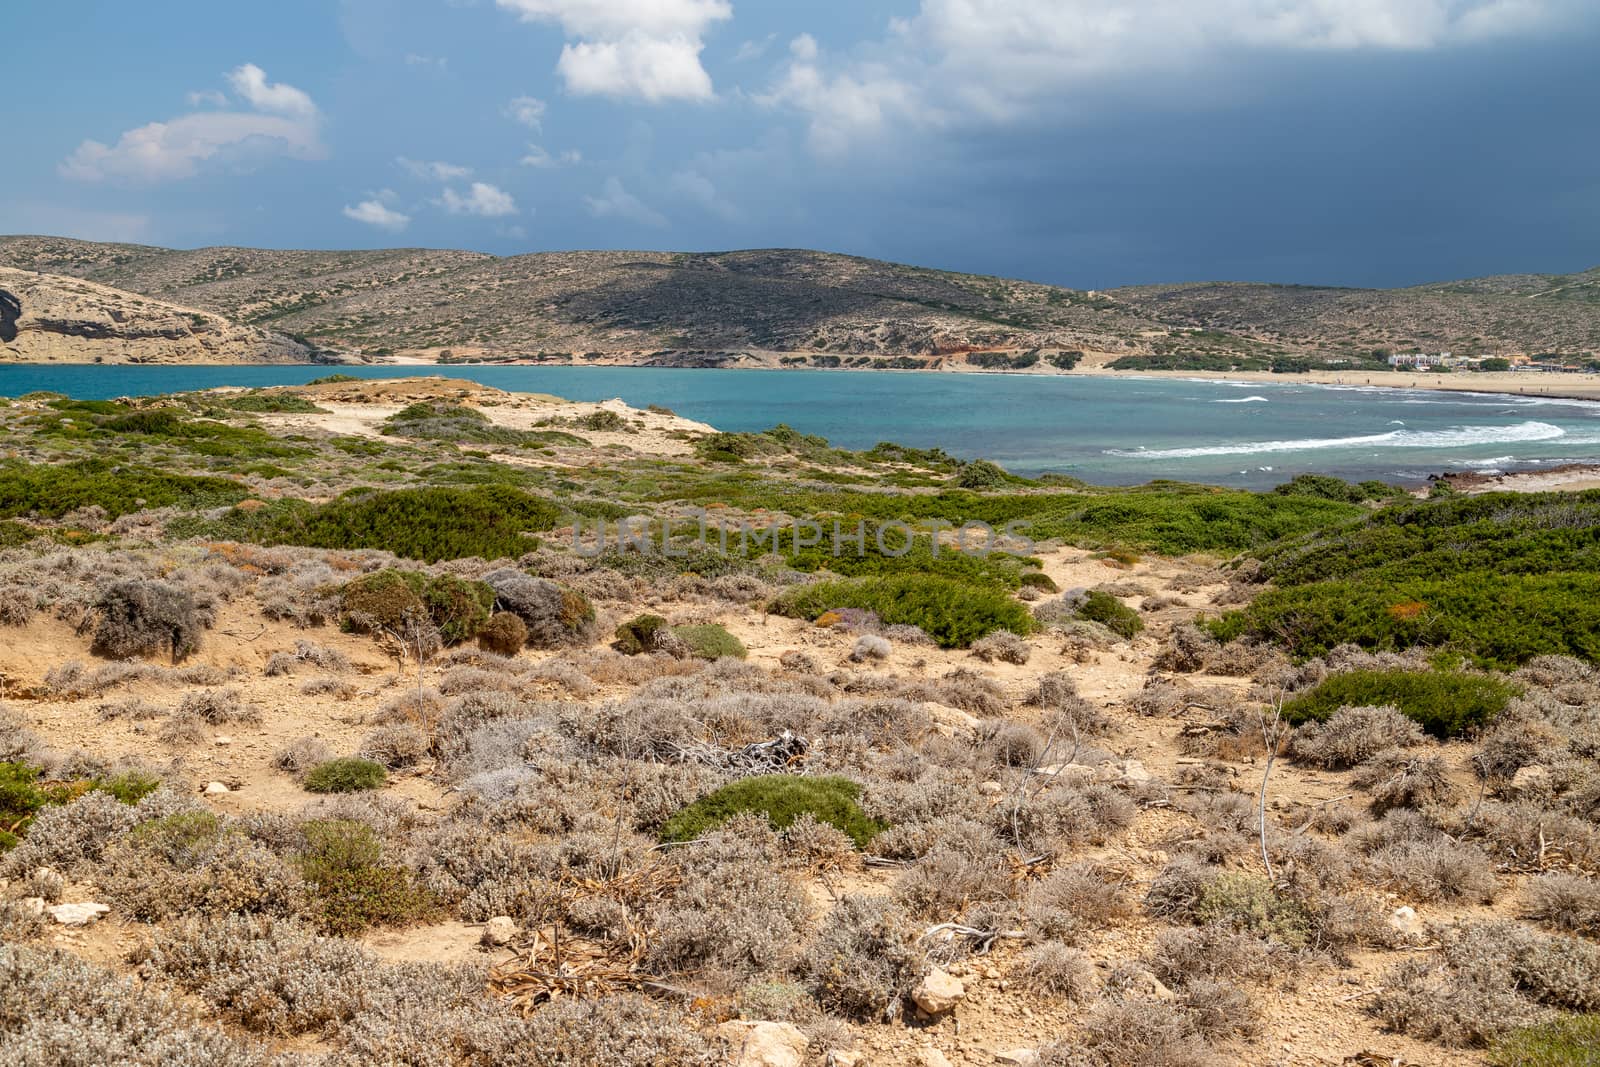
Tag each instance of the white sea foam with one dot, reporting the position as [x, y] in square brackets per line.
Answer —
[1456, 437]
[1242, 400]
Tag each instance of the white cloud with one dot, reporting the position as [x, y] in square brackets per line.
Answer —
[750, 50]
[986, 61]
[250, 82]
[375, 212]
[206, 98]
[694, 186]
[284, 122]
[528, 110]
[539, 157]
[434, 171]
[482, 199]
[631, 48]
[433, 64]
[615, 202]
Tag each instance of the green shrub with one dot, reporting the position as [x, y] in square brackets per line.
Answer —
[1249, 902]
[504, 633]
[710, 641]
[333, 379]
[432, 524]
[638, 635]
[981, 474]
[782, 798]
[273, 403]
[954, 614]
[382, 600]
[130, 787]
[53, 490]
[1100, 606]
[347, 774]
[1444, 703]
[21, 798]
[1041, 581]
[353, 888]
[458, 607]
[1569, 1041]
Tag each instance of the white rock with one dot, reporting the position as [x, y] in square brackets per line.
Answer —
[841, 1058]
[222, 739]
[1404, 920]
[928, 1056]
[214, 788]
[938, 992]
[1533, 779]
[77, 914]
[1133, 771]
[1070, 773]
[764, 1044]
[33, 906]
[991, 788]
[499, 930]
[1018, 1057]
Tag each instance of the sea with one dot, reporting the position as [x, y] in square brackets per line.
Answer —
[1104, 430]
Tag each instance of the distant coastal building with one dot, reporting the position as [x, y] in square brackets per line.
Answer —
[1421, 360]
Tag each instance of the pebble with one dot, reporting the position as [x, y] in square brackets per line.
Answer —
[214, 788]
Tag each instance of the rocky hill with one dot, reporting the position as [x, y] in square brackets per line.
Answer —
[54, 318]
[713, 307]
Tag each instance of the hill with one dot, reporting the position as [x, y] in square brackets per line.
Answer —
[52, 317]
[724, 308]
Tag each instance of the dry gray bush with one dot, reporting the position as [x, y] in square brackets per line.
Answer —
[302, 754]
[1565, 902]
[1395, 779]
[1132, 1032]
[132, 708]
[1072, 901]
[1002, 645]
[1488, 978]
[866, 957]
[1352, 736]
[733, 911]
[552, 617]
[1440, 869]
[1057, 970]
[870, 646]
[218, 707]
[973, 692]
[396, 746]
[59, 1011]
[71, 837]
[142, 617]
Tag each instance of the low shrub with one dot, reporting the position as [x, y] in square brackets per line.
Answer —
[640, 634]
[1445, 703]
[782, 798]
[1569, 1041]
[432, 524]
[346, 774]
[503, 633]
[396, 601]
[865, 959]
[354, 889]
[555, 617]
[1101, 607]
[142, 617]
[710, 640]
[1565, 902]
[954, 614]
[1352, 736]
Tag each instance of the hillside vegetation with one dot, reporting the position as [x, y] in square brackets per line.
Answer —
[724, 308]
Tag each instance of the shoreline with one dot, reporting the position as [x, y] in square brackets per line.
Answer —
[1582, 388]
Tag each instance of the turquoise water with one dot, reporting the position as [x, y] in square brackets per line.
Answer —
[1105, 430]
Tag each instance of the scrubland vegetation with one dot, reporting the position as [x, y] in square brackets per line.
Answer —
[1196, 777]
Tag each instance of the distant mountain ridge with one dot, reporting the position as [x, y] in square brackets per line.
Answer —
[716, 307]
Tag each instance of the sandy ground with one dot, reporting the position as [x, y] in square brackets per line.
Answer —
[1317, 1020]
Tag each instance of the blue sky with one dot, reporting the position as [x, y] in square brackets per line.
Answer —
[1082, 142]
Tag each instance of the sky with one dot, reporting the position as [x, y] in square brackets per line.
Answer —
[1089, 143]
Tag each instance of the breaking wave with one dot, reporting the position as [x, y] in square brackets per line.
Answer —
[1456, 437]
